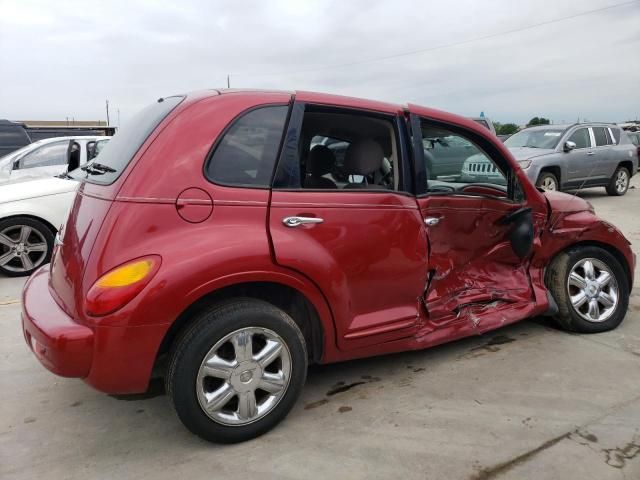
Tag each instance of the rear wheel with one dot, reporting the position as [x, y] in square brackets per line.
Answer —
[25, 245]
[619, 183]
[547, 181]
[237, 371]
[591, 289]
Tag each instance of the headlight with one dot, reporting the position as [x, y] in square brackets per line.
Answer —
[524, 163]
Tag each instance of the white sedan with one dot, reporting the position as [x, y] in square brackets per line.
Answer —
[50, 157]
[31, 211]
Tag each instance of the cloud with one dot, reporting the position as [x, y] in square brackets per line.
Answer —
[63, 59]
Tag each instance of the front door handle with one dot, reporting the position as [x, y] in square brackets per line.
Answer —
[297, 221]
[431, 221]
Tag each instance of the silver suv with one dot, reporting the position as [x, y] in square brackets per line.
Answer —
[560, 157]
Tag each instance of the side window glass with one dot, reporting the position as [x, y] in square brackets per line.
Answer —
[601, 136]
[247, 153]
[453, 162]
[347, 151]
[47, 155]
[581, 138]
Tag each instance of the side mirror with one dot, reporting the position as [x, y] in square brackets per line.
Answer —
[521, 233]
[568, 146]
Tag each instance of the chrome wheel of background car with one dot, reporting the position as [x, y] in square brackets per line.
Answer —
[244, 376]
[622, 181]
[22, 248]
[548, 184]
[593, 290]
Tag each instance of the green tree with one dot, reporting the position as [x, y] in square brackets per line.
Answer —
[538, 121]
[507, 129]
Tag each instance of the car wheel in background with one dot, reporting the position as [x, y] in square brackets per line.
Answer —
[619, 183]
[237, 371]
[25, 245]
[591, 289]
[547, 181]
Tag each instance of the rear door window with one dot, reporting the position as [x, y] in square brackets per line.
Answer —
[120, 150]
[602, 136]
[246, 154]
[581, 138]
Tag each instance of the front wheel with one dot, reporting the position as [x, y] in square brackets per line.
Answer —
[237, 371]
[591, 289]
[547, 181]
[619, 183]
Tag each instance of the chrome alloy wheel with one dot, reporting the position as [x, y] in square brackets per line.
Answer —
[548, 184]
[622, 181]
[244, 376]
[593, 290]
[22, 248]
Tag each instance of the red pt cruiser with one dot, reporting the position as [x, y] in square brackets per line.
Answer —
[234, 237]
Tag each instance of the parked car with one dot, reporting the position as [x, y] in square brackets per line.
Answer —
[30, 213]
[13, 136]
[560, 157]
[210, 243]
[50, 157]
[634, 137]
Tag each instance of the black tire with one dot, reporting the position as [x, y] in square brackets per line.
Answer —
[39, 229]
[612, 188]
[557, 281]
[207, 329]
[547, 177]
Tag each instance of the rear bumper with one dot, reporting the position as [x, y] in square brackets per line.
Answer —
[112, 359]
[60, 344]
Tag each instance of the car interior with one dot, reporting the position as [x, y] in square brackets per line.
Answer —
[347, 151]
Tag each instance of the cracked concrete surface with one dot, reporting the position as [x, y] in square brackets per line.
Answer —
[526, 401]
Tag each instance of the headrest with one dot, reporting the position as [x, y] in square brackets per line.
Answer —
[363, 157]
[320, 161]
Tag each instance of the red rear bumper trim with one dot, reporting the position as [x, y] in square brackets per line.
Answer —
[59, 343]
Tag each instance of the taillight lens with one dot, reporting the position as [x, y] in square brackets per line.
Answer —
[119, 286]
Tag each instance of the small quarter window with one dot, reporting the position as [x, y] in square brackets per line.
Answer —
[247, 153]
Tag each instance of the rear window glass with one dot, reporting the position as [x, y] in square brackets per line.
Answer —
[118, 152]
[247, 153]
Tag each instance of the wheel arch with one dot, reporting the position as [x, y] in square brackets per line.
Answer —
[604, 246]
[628, 164]
[555, 170]
[44, 221]
[286, 297]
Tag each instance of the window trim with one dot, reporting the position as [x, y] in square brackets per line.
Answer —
[289, 160]
[225, 130]
[486, 147]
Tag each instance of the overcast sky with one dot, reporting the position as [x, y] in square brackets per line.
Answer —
[62, 59]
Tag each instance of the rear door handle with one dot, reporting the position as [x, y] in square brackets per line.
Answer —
[431, 221]
[591, 153]
[297, 221]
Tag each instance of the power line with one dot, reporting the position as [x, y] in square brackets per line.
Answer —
[441, 47]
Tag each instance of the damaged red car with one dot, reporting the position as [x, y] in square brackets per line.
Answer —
[228, 239]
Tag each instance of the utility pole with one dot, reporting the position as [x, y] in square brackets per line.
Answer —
[118, 118]
[228, 81]
[107, 107]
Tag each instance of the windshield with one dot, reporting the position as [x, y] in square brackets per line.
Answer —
[535, 138]
[116, 154]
